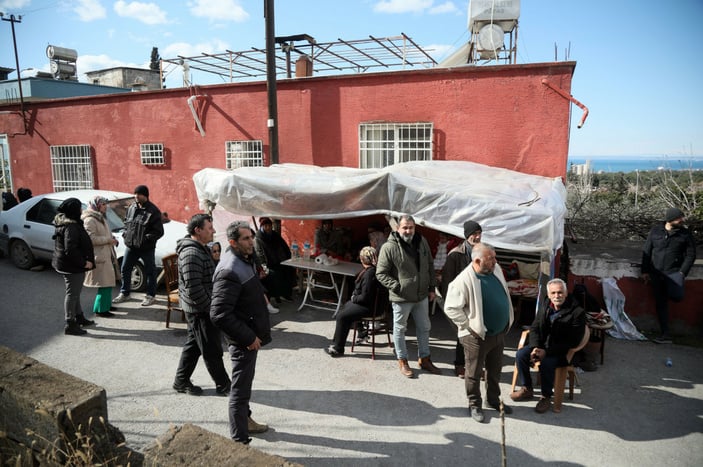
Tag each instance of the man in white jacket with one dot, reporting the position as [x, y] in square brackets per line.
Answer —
[478, 301]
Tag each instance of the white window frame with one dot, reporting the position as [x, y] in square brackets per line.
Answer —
[384, 144]
[71, 167]
[245, 153]
[152, 154]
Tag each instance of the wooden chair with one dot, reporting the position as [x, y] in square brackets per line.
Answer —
[170, 263]
[377, 322]
[561, 373]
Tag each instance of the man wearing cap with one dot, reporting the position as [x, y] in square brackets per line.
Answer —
[143, 227]
[667, 258]
[457, 260]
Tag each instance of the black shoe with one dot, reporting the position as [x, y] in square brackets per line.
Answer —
[506, 408]
[112, 308]
[476, 413]
[223, 390]
[188, 388]
[73, 329]
[332, 352]
[80, 319]
[105, 314]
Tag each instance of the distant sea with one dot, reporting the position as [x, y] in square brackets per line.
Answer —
[641, 163]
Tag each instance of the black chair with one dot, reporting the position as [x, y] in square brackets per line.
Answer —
[378, 322]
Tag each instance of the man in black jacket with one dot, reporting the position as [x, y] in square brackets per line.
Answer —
[558, 327]
[195, 270]
[143, 227]
[238, 309]
[667, 258]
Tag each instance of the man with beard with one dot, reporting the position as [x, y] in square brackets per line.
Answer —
[272, 250]
[478, 302]
[405, 268]
[667, 258]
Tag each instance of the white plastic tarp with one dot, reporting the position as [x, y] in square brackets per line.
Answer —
[517, 211]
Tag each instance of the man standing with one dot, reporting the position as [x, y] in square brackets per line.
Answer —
[143, 228]
[405, 268]
[195, 269]
[457, 260]
[667, 258]
[478, 302]
[558, 327]
[239, 310]
[271, 250]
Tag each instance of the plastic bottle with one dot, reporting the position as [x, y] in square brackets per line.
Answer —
[295, 251]
[668, 362]
[306, 250]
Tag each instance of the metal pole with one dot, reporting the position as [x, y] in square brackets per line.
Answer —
[12, 21]
[271, 79]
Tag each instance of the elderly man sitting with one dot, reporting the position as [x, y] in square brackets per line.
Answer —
[558, 327]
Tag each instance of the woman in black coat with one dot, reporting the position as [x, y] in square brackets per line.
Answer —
[361, 303]
[73, 256]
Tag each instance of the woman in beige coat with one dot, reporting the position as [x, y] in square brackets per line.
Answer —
[106, 271]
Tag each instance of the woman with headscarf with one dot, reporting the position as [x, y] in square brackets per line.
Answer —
[361, 304]
[73, 256]
[106, 272]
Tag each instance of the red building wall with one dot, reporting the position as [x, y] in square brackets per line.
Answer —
[502, 116]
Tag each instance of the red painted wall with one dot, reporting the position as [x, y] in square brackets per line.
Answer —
[501, 116]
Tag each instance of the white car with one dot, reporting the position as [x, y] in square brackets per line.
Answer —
[26, 229]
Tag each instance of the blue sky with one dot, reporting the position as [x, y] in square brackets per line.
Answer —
[638, 62]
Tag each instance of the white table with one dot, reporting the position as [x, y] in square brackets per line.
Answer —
[342, 268]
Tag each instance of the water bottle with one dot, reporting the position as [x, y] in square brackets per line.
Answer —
[294, 250]
[306, 251]
[668, 362]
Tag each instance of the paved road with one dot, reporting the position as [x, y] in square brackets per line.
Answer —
[632, 411]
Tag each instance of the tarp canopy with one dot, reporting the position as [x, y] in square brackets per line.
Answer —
[517, 211]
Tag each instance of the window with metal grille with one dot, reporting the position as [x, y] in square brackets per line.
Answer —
[152, 153]
[71, 167]
[244, 154]
[384, 144]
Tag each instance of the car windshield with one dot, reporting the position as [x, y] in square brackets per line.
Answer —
[116, 212]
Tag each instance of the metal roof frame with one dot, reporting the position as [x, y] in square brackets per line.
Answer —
[358, 56]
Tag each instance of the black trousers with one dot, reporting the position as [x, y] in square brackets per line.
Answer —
[350, 313]
[243, 366]
[203, 339]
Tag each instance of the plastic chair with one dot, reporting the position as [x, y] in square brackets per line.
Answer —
[377, 322]
[561, 373]
[170, 263]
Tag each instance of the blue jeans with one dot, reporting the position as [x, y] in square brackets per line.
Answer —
[547, 368]
[130, 259]
[421, 315]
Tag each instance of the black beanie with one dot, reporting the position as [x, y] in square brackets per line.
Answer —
[71, 208]
[672, 214]
[141, 190]
[471, 227]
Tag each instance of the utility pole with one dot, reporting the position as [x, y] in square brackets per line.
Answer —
[12, 21]
[272, 122]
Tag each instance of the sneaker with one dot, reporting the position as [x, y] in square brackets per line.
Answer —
[543, 404]
[188, 388]
[522, 394]
[148, 301]
[273, 310]
[477, 413]
[506, 408]
[120, 298]
[256, 427]
[332, 352]
[662, 340]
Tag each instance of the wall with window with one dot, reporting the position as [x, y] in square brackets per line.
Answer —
[500, 115]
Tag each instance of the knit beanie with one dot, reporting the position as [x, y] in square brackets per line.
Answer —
[141, 190]
[71, 208]
[471, 227]
[673, 214]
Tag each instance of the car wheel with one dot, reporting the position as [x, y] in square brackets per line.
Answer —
[138, 278]
[21, 255]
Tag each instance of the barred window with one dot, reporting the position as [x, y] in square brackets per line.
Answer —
[244, 154]
[384, 144]
[152, 153]
[71, 167]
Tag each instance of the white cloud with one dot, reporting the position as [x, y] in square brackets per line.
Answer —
[219, 10]
[89, 10]
[446, 7]
[402, 6]
[86, 63]
[438, 51]
[147, 13]
[185, 49]
[6, 5]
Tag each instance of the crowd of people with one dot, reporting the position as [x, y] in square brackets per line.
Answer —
[227, 296]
